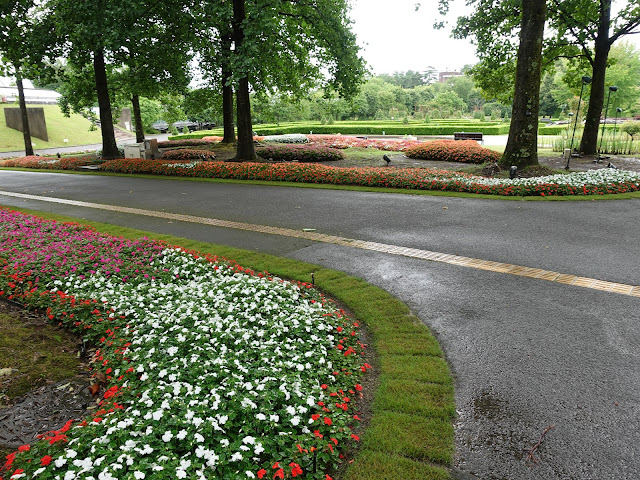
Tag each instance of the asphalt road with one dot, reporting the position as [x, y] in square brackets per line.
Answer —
[526, 353]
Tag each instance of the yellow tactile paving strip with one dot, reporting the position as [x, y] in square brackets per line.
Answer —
[538, 273]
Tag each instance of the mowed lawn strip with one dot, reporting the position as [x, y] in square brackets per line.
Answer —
[416, 387]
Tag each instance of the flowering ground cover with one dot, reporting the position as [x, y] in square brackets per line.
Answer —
[594, 182]
[465, 151]
[343, 141]
[213, 371]
[288, 138]
[49, 163]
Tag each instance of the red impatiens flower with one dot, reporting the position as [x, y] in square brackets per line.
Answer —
[355, 437]
[46, 460]
[327, 420]
[261, 473]
[279, 474]
[295, 469]
[24, 448]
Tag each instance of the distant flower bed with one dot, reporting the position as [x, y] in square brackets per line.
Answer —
[49, 163]
[188, 154]
[300, 153]
[287, 138]
[464, 151]
[189, 142]
[212, 138]
[594, 182]
[211, 370]
[343, 141]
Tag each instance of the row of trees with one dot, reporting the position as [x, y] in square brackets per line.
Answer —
[582, 31]
[109, 50]
[386, 96]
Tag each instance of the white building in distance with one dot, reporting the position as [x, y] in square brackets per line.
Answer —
[9, 92]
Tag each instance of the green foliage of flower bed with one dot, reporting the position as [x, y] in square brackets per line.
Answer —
[465, 151]
[184, 143]
[300, 153]
[188, 154]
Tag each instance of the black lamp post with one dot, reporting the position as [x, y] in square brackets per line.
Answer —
[585, 81]
[612, 88]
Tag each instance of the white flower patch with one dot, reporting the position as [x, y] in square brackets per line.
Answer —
[229, 366]
[287, 138]
[183, 164]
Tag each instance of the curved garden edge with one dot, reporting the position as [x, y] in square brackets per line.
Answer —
[325, 186]
[410, 433]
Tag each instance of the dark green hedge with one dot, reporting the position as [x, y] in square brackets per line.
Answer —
[389, 130]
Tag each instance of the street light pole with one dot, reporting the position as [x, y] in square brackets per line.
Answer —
[612, 88]
[585, 81]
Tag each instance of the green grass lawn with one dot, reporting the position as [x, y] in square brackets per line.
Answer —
[75, 129]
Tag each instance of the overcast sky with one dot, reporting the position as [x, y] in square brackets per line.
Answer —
[396, 37]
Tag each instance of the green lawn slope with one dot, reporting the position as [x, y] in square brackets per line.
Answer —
[75, 129]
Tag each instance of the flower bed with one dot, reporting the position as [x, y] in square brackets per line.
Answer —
[465, 151]
[594, 182]
[188, 154]
[300, 153]
[213, 371]
[288, 138]
[49, 163]
[342, 141]
[191, 142]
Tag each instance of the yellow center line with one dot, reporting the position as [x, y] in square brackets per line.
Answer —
[498, 267]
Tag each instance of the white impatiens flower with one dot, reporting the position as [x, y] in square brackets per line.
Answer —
[236, 457]
[181, 435]
[167, 436]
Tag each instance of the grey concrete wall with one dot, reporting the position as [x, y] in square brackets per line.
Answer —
[37, 123]
[125, 119]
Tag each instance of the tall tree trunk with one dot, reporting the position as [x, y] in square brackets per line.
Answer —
[245, 150]
[227, 93]
[137, 118]
[589, 143]
[522, 145]
[109, 146]
[26, 131]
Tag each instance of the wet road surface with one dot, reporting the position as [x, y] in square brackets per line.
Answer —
[527, 354]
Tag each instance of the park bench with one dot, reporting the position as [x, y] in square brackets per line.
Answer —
[468, 136]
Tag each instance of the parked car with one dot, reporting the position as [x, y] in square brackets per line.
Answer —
[161, 126]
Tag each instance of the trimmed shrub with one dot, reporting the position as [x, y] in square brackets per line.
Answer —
[184, 143]
[300, 153]
[631, 128]
[465, 151]
[188, 154]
